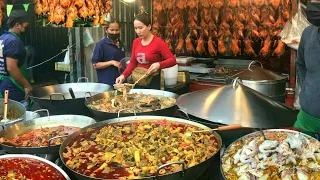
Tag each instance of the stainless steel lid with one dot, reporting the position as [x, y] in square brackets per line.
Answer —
[256, 73]
[237, 104]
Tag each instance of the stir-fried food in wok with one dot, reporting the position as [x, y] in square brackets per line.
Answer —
[27, 169]
[284, 155]
[40, 137]
[136, 150]
[12, 114]
[137, 101]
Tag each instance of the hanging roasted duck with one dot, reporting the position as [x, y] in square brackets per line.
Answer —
[217, 3]
[258, 3]
[194, 4]
[179, 45]
[96, 16]
[235, 45]
[228, 15]
[200, 45]
[238, 28]
[91, 8]
[108, 7]
[80, 3]
[59, 14]
[213, 30]
[169, 42]
[84, 11]
[205, 29]
[242, 14]
[245, 3]
[205, 4]
[222, 46]
[157, 5]
[215, 13]
[189, 45]
[211, 47]
[265, 50]
[255, 14]
[170, 4]
[233, 3]
[65, 3]
[157, 29]
[1, 17]
[38, 8]
[275, 3]
[205, 15]
[51, 14]
[181, 4]
[279, 49]
[248, 43]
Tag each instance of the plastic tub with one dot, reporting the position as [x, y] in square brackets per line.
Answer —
[171, 75]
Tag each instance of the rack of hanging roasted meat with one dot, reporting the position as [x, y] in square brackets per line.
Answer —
[65, 12]
[222, 27]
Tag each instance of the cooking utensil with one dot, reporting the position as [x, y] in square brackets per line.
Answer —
[262, 80]
[17, 107]
[72, 93]
[237, 104]
[5, 106]
[7, 156]
[190, 173]
[48, 121]
[58, 100]
[222, 128]
[101, 115]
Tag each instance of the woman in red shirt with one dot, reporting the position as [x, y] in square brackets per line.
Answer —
[149, 52]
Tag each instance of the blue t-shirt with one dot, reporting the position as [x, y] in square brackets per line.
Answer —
[12, 47]
[105, 51]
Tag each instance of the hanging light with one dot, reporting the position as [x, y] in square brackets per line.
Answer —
[129, 1]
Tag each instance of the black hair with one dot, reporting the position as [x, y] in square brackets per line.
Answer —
[144, 18]
[17, 16]
[107, 23]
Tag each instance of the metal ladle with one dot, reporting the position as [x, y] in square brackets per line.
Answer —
[222, 128]
[5, 106]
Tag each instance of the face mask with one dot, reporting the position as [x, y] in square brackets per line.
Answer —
[114, 37]
[313, 13]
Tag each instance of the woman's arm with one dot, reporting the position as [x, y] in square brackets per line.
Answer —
[169, 59]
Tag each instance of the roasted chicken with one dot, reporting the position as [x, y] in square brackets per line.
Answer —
[248, 47]
[235, 45]
[279, 49]
[189, 45]
[179, 45]
[211, 47]
[221, 46]
[200, 45]
[265, 50]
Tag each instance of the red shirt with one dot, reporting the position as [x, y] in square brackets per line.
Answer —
[143, 56]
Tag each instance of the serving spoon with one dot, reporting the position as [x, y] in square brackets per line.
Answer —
[5, 106]
[128, 86]
[222, 128]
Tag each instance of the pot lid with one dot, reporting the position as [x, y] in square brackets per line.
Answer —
[237, 104]
[255, 73]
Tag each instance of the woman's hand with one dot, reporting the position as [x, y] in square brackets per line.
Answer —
[153, 68]
[120, 79]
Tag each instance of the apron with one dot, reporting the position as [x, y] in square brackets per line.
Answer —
[23, 69]
[308, 124]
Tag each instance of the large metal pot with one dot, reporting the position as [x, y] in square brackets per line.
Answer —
[264, 81]
[49, 121]
[100, 115]
[58, 100]
[186, 174]
[25, 156]
[14, 105]
[256, 134]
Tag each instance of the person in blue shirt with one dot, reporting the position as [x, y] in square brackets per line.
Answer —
[107, 54]
[13, 65]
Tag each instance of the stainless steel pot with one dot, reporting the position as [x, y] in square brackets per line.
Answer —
[264, 81]
[17, 107]
[58, 99]
[101, 115]
[49, 121]
[7, 156]
[256, 134]
[186, 174]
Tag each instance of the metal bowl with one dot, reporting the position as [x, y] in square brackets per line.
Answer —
[7, 156]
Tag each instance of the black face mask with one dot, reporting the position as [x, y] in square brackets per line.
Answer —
[114, 37]
[313, 13]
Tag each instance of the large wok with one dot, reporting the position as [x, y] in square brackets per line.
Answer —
[101, 115]
[186, 174]
[58, 100]
[26, 156]
[16, 106]
[256, 134]
[49, 121]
